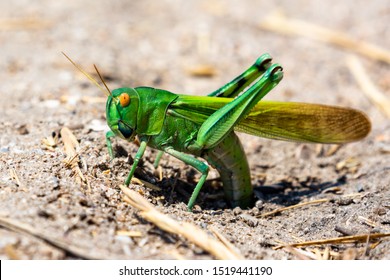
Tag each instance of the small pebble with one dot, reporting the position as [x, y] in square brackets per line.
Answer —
[123, 239]
[249, 220]
[197, 208]
[255, 211]
[344, 201]
[359, 188]
[97, 125]
[237, 211]
[4, 150]
[380, 211]
[22, 129]
[54, 182]
[259, 204]
[142, 242]
[203, 225]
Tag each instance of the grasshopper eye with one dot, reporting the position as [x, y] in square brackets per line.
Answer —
[124, 99]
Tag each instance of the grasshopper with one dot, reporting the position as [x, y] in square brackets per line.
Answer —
[194, 127]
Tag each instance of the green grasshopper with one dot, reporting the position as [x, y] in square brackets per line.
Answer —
[193, 127]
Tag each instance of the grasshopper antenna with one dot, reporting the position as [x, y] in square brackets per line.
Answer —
[101, 78]
[105, 90]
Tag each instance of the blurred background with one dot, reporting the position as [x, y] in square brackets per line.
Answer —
[190, 47]
[185, 46]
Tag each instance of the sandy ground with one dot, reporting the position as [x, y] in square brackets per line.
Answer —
[162, 44]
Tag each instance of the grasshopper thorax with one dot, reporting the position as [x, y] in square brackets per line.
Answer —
[121, 112]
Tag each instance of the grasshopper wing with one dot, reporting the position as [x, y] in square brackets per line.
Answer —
[305, 122]
[289, 121]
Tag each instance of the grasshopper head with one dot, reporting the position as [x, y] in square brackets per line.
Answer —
[121, 112]
[121, 106]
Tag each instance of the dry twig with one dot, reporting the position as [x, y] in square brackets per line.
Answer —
[369, 89]
[129, 233]
[71, 145]
[279, 23]
[14, 176]
[11, 24]
[187, 230]
[363, 238]
[146, 184]
[300, 254]
[279, 210]
[225, 242]
[50, 142]
[72, 249]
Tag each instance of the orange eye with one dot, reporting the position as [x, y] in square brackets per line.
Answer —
[124, 99]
